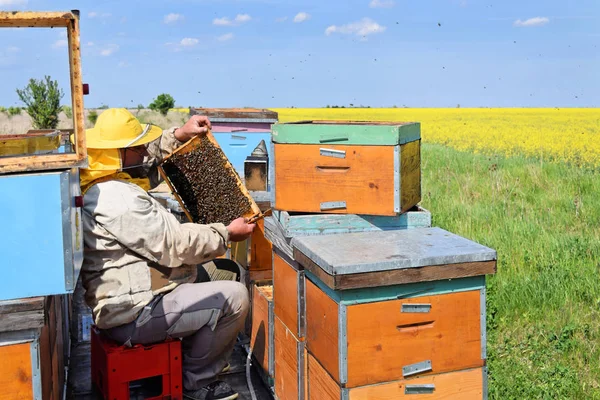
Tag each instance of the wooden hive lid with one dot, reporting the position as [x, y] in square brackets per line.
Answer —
[378, 133]
[248, 115]
[392, 257]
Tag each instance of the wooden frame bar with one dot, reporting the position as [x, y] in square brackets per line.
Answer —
[70, 21]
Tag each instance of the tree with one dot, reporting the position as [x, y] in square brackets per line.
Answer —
[42, 99]
[92, 117]
[162, 103]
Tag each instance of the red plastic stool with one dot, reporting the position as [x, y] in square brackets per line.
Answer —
[114, 367]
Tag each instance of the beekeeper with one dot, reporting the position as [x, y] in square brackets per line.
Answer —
[140, 263]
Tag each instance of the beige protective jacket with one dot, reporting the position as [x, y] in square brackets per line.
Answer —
[135, 248]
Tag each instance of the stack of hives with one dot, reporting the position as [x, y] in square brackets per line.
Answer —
[369, 301]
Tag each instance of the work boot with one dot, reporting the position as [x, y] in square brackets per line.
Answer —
[218, 390]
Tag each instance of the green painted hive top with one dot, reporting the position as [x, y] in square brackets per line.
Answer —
[346, 132]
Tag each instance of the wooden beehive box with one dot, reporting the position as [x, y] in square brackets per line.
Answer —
[205, 184]
[386, 306]
[346, 167]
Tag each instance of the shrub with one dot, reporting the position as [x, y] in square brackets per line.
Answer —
[92, 117]
[2, 109]
[42, 99]
[140, 107]
[162, 103]
[12, 111]
[68, 111]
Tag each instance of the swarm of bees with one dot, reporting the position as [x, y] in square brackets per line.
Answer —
[208, 189]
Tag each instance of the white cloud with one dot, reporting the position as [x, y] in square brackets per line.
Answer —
[225, 37]
[63, 33]
[123, 64]
[281, 19]
[537, 21]
[301, 17]
[90, 44]
[13, 49]
[364, 27]
[60, 43]
[382, 3]
[222, 21]
[170, 18]
[109, 50]
[241, 18]
[225, 21]
[187, 42]
[13, 3]
[94, 14]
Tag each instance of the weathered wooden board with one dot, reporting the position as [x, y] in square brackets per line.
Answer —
[250, 114]
[346, 132]
[396, 277]
[399, 249]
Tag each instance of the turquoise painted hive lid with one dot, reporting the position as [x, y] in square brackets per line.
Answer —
[372, 133]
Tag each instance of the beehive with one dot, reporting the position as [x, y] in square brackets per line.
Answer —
[205, 184]
[346, 167]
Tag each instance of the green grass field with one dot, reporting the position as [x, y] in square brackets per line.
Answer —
[543, 304]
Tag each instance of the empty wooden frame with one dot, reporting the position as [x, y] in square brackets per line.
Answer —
[70, 21]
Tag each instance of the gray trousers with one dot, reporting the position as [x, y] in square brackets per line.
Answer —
[207, 316]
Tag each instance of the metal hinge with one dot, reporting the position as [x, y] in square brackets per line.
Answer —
[419, 389]
[416, 308]
[332, 153]
[332, 205]
[418, 368]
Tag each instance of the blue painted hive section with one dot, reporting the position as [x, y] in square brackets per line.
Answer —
[41, 241]
[238, 146]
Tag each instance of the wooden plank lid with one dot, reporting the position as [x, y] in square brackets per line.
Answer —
[397, 256]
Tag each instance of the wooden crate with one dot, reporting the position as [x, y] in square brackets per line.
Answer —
[290, 364]
[263, 319]
[371, 336]
[459, 385]
[32, 348]
[289, 293]
[346, 167]
[223, 166]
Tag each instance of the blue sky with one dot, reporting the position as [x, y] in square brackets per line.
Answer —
[313, 53]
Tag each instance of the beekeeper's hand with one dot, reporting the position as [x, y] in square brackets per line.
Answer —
[240, 230]
[198, 125]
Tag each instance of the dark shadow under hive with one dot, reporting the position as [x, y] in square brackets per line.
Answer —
[209, 188]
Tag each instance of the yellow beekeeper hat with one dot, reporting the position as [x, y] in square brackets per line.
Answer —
[117, 128]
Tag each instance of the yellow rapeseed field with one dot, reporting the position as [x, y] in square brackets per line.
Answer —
[565, 134]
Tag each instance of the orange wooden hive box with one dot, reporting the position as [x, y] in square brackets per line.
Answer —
[347, 167]
[205, 184]
[394, 308]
